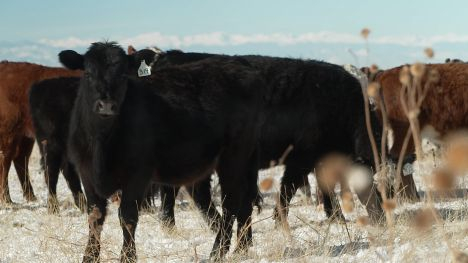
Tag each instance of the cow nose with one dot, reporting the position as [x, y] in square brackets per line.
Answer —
[105, 108]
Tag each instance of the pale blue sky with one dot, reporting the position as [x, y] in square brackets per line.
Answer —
[36, 30]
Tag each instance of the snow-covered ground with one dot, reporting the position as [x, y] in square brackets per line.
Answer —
[29, 234]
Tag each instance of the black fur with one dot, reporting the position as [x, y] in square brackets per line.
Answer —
[189, 121]
[51, 102]
[315, 106]
[201, 198]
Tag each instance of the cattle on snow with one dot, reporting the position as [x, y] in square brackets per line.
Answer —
[16, 129]
[190, 121]
[316, 107]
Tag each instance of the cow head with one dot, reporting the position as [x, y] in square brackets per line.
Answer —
[106, 72]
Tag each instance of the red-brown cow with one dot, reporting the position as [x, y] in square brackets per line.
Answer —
[444, 109]
[16, 130]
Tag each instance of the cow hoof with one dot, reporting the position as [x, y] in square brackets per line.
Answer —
[410, 199]
[243, 248]
[53, 206]
[167, 223]
[378, 220]
[279, 223]
[340, 219]
[80, 202]
[217, 255]
[30, 198]
[168, 228]
[6, 203]
[147, 207]
[214, 226]
[53, 209]
[6, 200]
[276, 218]
[128, 255]
[241, 255]
[90, 259]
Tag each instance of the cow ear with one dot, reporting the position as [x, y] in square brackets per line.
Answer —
[71, 59]
[131, 50]
[134, 60]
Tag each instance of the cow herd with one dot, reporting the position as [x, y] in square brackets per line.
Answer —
[128, 123]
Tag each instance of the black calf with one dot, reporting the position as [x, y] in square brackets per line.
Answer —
[51, 102]
[190, 120]
[314, 106]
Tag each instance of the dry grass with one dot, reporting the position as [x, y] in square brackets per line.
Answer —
[28, 233]
[412, 95]
[433, 230]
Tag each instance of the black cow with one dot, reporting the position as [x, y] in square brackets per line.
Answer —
[200, 191]
[190, 121]
[51, 102]
[315, 106]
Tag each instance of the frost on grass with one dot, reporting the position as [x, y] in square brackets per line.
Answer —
[29, 234]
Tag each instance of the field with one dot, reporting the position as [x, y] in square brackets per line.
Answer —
[29, 234]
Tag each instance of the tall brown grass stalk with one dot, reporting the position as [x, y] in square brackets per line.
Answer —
[412, 95]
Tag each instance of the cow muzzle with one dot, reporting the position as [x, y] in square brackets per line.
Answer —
[105, 108]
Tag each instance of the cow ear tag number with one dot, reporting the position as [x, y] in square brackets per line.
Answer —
[144, 70]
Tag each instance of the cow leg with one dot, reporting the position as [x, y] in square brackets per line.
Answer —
[370, 197]
[5, 163]
[319, 196]
[74, 183]
[306, 189]
[372, 201]
[223, 237]
[332, 207]
[344, 186]
[330, 202]
[236, 173]
[408, 187]
[168, 195]
[21, 163]
[96, 216]
[244, 230]
[244, 219]
[150, 193]
[231, 202]
[409, 191]
[201, 194]
[53, 161]
[293, 179]
[132, 197]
